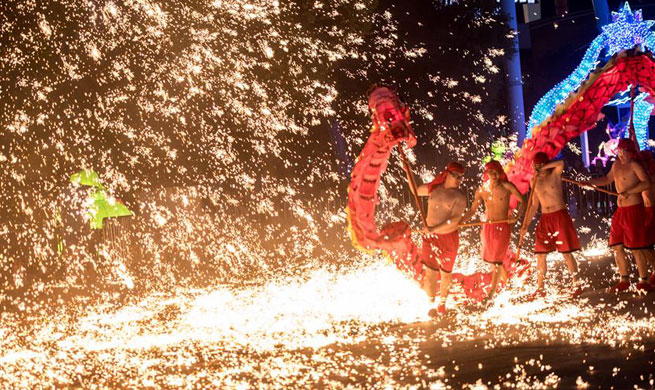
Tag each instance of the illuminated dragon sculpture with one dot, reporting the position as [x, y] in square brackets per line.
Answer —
[579, 112]
[582, 109]
[627, 30]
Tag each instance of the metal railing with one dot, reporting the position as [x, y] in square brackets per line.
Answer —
[584, 202]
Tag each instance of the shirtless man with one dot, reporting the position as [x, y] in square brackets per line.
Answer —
[495, 192]
[446, 206]
[555, 228]
[628, 229]
[648, 196]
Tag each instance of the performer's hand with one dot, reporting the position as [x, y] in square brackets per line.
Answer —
[512, 221]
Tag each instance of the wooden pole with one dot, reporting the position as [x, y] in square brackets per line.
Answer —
[412, 184]
[589, 185]
[525, 223]
[633, 134]
[480, 223]
[473, 224]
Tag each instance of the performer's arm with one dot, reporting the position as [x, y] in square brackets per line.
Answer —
[514, 191]
[557, 166]
[423, 190]
[474, 207]
[644, 181]
[602, 181]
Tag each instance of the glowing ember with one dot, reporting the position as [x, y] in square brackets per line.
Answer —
[228, 128]
[290, 328]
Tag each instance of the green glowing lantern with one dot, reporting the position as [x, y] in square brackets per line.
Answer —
[100, 205]
[498, 150]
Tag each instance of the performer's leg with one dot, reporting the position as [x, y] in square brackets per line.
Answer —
[650, 257]
[495, 273]
[541, 270]
[621, 261]
[641, 258]
[622, 264]
[430, 283]
[642, 262]
[572, 265]
[503, 275]
[446, 278]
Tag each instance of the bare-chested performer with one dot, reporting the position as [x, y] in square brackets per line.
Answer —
[629, 220]
[649, 202]
[555, 230]
[446, 206]
[495, 192]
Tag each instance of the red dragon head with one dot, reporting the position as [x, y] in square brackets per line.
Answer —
[389, 114]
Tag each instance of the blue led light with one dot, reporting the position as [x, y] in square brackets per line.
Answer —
[627, 30]
[546, 105]
[642, 112]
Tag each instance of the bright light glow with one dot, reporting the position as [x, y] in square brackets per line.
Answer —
[271, 329]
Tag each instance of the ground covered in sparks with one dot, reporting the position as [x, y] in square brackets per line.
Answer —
[361, 328]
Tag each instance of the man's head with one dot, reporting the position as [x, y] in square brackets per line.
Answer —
[539, 160]
[451, 177]
[627, 151]
[454, 175]
[494, 171]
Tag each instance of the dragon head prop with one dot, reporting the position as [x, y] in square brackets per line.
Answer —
[389, 114]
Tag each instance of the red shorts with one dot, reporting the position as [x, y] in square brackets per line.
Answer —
[495, 242]
[556, 231]
[440, 249]
[629, 228]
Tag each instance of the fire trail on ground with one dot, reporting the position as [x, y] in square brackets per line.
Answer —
[360, 328]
